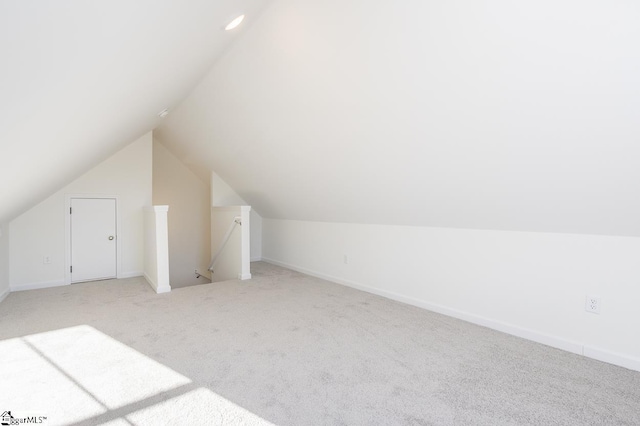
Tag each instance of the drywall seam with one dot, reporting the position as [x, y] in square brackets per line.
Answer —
[545, 339]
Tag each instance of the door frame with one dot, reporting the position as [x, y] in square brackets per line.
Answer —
[67, 233]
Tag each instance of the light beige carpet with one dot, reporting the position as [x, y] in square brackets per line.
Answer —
[288, 349]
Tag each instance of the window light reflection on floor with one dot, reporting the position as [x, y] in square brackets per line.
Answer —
[80, 375]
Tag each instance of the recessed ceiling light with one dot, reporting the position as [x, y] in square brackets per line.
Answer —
[163, 113]
[231, 25]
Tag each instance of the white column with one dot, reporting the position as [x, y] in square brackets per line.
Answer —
[245, 215]
[156, 257]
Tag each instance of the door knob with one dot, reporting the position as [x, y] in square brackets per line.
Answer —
[111, 238]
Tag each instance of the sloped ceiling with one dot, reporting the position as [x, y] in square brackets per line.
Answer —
[80, 79]
[474, 114]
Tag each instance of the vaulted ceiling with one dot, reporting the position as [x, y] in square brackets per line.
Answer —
[486, 114]
[80, 79]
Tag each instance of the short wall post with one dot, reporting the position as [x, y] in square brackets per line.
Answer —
[156, 256]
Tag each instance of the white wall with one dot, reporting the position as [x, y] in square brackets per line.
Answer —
[156, 248]
[530, 284]
[223, 195]
[189, 216]
[41, 230]
[4, 260]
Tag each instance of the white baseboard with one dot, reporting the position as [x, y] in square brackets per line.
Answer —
[244, 276]
[162, 290]
[59, 283]
[612, 358]
[553, 341]
[132, 274]
[4, 295]
[256, 259]
[37, 286]
[154, 285]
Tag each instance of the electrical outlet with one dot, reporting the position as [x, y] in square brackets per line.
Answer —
[593, 304]
[345, 259]
[46, 259]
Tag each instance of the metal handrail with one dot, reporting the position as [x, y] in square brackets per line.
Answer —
[236, 221]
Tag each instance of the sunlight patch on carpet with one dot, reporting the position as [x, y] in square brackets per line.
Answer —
[77, 373]
[198, 407]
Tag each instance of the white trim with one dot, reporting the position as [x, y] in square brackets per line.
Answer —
[245, 243]
[612, 358]
[67, 233]
[37, 286]
[154, 286]
[4, 295]
[132, 274]
[545, 339]
[151, 282]
[256, 259]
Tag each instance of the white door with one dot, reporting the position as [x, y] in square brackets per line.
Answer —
[93, 239]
